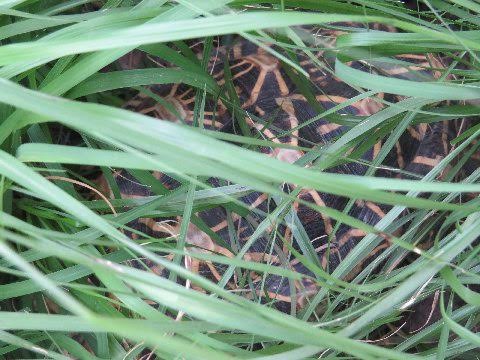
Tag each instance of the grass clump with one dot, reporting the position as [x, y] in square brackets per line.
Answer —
[67, 288]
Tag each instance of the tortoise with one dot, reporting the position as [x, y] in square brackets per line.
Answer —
[262, 97]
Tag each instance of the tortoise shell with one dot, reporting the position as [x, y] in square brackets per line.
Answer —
[259, 91]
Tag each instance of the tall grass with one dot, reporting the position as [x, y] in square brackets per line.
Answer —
[66, 288]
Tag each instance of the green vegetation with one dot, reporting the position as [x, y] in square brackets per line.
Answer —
[66, 290]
